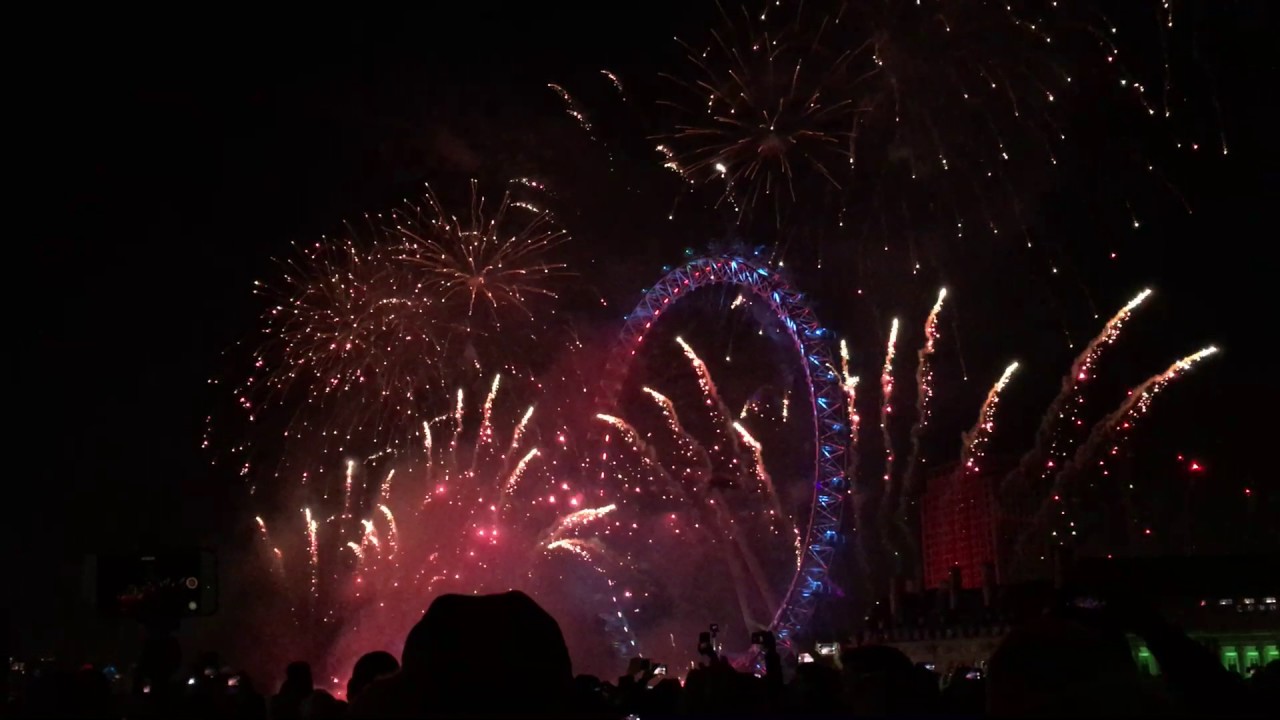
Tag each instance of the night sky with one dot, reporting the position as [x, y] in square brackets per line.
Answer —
[166, 161]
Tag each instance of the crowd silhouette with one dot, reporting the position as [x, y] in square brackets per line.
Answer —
[504, 656]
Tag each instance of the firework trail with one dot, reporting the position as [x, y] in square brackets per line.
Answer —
[711, 394]
[693, 451]
[572, 107]
[757, 450]
[975, 440]
[699, 470]
[518, 472]
[617, 83]
[347, 489]
[1120, 422]
[849, 383]
[712, 486]
[518, 434]
[276, 556]
[459, 412]
[886, 412]
[578, 520]
[924, 398]
[1015, 537]
[486, 412]
[385, 490]
[1051, 446]
[393, 535]
[313, 549]
[647, 453]
[762, 473]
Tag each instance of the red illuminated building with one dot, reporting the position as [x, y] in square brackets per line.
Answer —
[958, 527]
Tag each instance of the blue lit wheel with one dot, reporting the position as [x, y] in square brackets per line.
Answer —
[826, 403]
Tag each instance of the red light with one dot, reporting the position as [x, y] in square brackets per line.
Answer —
[1248, 492]
[1147, 531]
[1195, 466]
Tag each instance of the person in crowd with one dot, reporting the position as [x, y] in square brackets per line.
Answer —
[371, 666]
[492, 655]
[298, 685]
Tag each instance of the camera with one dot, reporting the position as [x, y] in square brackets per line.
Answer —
[764, 639]
[705, 647]
[160, 585]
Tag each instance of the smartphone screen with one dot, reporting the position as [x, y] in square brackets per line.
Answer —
[660, 670]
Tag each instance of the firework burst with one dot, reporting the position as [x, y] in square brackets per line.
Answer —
[491, 262]
[364, 333]
[761, 109]
[908, 127]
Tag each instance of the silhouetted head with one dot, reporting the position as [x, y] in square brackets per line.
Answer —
[297, 679]
[494, 655]
[370, 667]
[489, 654]
[1057, 667]
[320, 705]
[879, 680]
